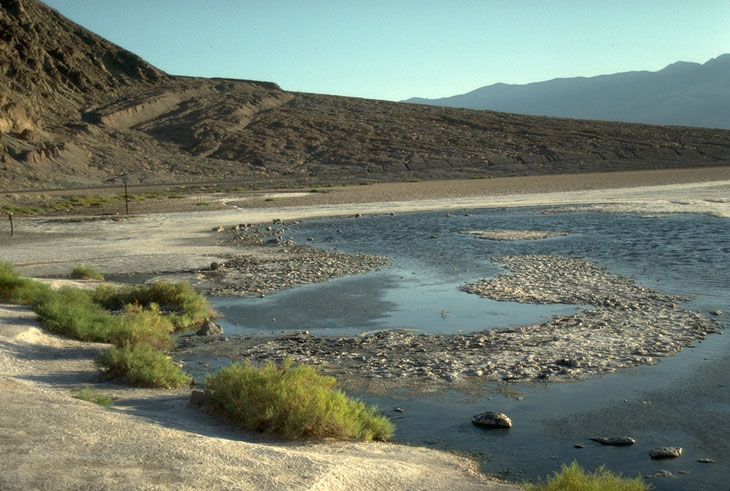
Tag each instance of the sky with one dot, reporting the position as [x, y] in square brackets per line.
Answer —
[397, 49]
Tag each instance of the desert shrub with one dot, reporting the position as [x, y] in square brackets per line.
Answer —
[293, 402]
[142, 366]
[182, 305]
[73, 313]
[18, 290]
[84, 272]
[90, 394]
[573, 478]
[20, 209]
[138, 326]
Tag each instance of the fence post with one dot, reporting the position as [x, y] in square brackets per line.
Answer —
[12, 230]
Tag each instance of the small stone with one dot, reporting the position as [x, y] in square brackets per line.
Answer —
[398, 410]
[662, 474]
[219, 228]
[716, 312]
[214, 265]
[665, 453]
[209, 328]
[615, 441]
[706, 461]
[491, 419]
[578, 445]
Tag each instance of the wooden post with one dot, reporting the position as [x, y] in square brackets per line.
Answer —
[10, 217]
[126, 197]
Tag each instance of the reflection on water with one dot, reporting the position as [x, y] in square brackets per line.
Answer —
[683, 401]
[389, 299]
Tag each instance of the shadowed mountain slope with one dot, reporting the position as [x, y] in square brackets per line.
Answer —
[80, 111]
[683, 93]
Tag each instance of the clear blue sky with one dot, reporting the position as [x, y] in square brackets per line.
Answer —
[396, 49]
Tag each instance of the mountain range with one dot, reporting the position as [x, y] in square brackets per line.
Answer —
[688, 94]
[77, 110]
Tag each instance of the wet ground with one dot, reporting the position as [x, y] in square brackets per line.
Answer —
[682, 401]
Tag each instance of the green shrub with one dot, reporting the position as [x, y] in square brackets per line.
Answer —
[83, 272]
[18, 290]
[293, 402]
[574, 478]
[138, 326]
[72, 312]
[142, 366]
[182, 305]
[90, 394]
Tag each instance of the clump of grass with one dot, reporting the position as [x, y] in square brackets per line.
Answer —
[293, 402]
[84, 272]
[90, 394]
[202, 203]
[182, 305]
[141, 333]
[20, 209]
[138, 326]
[142, 366]
[73, 313]
[573, 478]
[18, 290]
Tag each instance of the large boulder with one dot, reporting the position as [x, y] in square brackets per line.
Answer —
[492, 420]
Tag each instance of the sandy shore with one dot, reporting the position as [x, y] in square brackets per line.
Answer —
[151, 439]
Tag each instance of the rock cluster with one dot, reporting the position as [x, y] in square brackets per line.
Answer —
[283, 265]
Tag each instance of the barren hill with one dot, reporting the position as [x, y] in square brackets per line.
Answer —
[77, 110]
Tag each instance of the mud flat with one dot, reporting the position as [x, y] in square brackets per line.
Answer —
[622, 324]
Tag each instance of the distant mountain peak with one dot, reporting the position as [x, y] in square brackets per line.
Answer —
[682, 93]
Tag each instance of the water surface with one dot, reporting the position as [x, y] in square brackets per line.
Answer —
[683, 401]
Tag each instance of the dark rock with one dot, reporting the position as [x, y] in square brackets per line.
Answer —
[615, 441]
[198, 399]
[491, 419]
[209, 328]
[665, 453]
